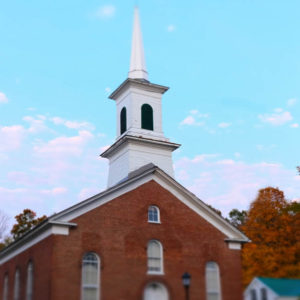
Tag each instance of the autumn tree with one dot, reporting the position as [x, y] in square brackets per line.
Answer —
[25, 221]
[273, 226]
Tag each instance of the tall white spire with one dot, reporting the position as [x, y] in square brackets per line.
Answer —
[137, 63]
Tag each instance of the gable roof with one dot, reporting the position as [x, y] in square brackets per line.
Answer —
[282, 286]
[134, 180]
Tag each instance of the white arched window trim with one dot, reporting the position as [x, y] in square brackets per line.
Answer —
[212, 278]
[155, 290]
[90, 286]
[155, 257]
[17, 285]
[153, 214]
[5, 287]
[29, 282]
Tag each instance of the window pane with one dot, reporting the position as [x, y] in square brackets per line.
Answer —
[17, 285]
[154, 256]
[263, 293]
[212, 296]
[253, 295]
[212, 281]
[5, 288]
[89, 293]
[29, 283]
[89, 274]
[90, 277]
[153, 214]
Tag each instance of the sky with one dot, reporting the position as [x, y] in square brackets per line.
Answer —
[233, 68]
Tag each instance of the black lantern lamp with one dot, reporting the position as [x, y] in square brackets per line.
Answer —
[186, 281]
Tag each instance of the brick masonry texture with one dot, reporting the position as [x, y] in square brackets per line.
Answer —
[118, 232]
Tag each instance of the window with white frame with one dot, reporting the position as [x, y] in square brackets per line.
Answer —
[17, 285]
[90, 276]
[155, 257]
[29, 281]
[5, 287]
[212, 277]
[153, 214]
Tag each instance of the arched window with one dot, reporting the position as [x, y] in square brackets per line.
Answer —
[147, 117]
[5, 287]
[155, 291]
[29, 282]
[123, 120]
[90, 276]
[155, 257]
[153, 214]
[17, 285]
[213, 290]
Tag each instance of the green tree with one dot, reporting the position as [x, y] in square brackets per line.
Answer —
[272, 224]
[25, 221]
[237, 217]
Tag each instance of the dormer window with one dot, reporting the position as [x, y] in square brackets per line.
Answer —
[147, 117]
[153, 214]
[123, 120]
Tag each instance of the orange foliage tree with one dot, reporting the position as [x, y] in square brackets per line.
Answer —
[273, 226]
[25, 221]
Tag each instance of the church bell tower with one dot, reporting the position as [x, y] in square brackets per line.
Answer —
[140, 138]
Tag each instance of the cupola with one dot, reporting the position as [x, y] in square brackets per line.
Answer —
[140, 137]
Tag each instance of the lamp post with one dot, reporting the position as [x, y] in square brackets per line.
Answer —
[186, 281]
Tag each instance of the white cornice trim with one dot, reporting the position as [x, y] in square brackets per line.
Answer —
[129, 138]
[33, 237]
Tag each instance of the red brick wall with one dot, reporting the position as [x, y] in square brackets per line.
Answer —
[119, 232]
[41, 256]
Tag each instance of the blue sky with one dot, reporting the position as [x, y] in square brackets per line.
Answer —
[233, 68]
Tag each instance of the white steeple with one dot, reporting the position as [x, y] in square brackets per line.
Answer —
[137, 63]
[140, 137]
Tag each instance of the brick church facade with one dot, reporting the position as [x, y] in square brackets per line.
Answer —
[137, 238]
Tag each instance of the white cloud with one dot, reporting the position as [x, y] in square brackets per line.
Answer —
[107, 90]
[189, 120]
[11, 137]
[194, 111]
[279, 117]
[278, 110]
[87, 192]
[3, 98]
[72, 124]
[291, 102]
[64, 146]
[36, 124]
[227, 183]
[171, 28]
[224, 125]
[194, 119]
[105, 11]
[237, 154]
[55, 191]
[295, 125]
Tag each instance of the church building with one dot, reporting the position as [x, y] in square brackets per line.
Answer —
[136, 239]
